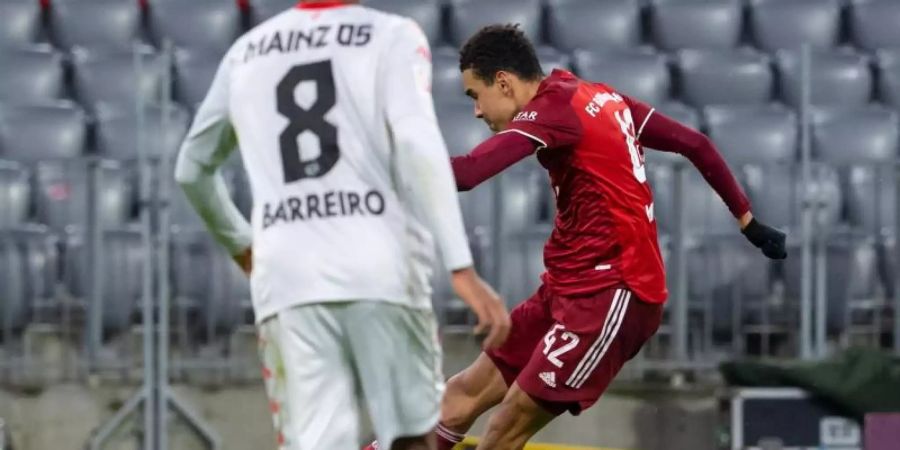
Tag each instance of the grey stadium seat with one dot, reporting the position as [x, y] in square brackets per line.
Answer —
[206, 280]
[20, 22]
[705, 211]
[31, 75]
[696, 24]
[263, 10]
[777, 194]
[551, 59]
[521, 205]
[204, 24]
[122, 259]
[461, 129]
[856, 136]
[642, 75]
[753, 134]
[96, 23]
[850, 274]
[15, 195]
[681, 113]
[838, 78]
[31, 133]
[889, 77]
[873, 24]
[592, 24]
[715, 77]
[469, 16]
[118, 133]
[13, 290]
[110, 76]
[194, 72]
[786, 24]
[522, 266]
[61, 195]
[446, 84]
[427, 13]
[871, 200]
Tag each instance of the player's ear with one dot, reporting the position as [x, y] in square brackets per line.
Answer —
[503, 82]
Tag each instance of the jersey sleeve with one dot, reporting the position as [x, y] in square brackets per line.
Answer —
[422, 162]
[549, 120]
[209, 142]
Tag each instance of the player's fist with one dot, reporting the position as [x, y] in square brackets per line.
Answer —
[245, 260]
[493, 319]
[766, 238]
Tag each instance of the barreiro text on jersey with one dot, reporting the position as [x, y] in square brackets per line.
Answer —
[282, 41]
[319, 206]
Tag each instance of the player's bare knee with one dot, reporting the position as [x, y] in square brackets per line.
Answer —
[458, 406]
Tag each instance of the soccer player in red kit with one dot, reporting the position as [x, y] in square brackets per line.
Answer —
[604, 287]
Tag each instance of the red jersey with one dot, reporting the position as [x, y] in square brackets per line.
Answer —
[605, 230]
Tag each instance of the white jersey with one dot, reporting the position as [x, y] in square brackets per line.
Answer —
[351, 182]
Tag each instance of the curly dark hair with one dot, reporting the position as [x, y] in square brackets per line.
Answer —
[500, 47]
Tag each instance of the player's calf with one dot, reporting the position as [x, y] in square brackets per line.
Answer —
[517, 419]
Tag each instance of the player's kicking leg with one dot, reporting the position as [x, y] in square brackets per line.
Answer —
[593, 338]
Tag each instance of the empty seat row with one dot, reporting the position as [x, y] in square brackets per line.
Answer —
[570, 24]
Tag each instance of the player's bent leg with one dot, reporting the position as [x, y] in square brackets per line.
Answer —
[518, 418]
[470, 393]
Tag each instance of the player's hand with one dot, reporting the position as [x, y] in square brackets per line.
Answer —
[245, 260]
[766, 238]
[493, 319]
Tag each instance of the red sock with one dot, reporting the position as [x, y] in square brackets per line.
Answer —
[447, 439]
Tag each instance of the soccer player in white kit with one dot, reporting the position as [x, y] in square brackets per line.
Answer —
[331, 107]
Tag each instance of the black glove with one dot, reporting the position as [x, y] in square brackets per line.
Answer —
[766, 238]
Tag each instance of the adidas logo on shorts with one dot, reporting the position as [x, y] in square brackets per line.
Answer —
[549, 378]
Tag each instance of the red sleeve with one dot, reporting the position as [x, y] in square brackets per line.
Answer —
[657, 131]
[549, 119]
[490, 158]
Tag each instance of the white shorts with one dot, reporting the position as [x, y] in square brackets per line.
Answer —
[321, 361]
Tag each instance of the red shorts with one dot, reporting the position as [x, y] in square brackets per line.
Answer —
[564, 351]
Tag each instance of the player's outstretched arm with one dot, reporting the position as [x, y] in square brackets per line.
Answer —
[207, 145]
[490, 158]
[663, 133]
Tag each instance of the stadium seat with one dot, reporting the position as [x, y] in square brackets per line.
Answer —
[462, 130]
[194, 73]
[522, 265]
[696, 24]
[863, 144]
[592, 24]
[427, 13]
[551, 59]
[111, 77]
[838, 78]
[206, 280]
[888, 63]
[118, 133]
[873, 24]
[850, 274]
[681, 113]
[203, 24]
[13, 290]
[96, 23]
[263, 10]
[777, 193]
[716, 77]
[478, 208]
[660, 175]
[856, 136]
[446, 84]
[122, 258]
[521, 189]
[62, 190]
[15, 195]
[469, 16]
[31, 75]
[786, 24]
[642, 75]
[31, 133]
[20, 22]
[753, 134]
